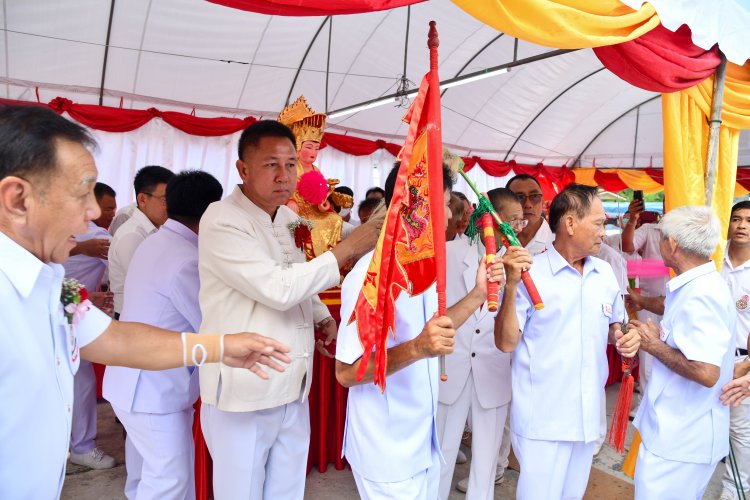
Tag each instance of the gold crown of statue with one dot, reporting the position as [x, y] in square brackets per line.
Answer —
[304, 122]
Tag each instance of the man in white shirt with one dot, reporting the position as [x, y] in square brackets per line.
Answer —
[391, 438]
[559, 362]
[87, 264]
[47, 179]
[736, 272]
[156, 407]
[254, 276]
[478, 384]
[537, 236]
[122, 217]
[684, 426]
[150, 185]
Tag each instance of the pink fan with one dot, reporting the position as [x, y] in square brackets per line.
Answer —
[647, 268]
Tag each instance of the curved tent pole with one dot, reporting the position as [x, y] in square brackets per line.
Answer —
[302, 62]
[471, 59]
[717, 99]
[578, 158]
[510, 150]
[106, 51]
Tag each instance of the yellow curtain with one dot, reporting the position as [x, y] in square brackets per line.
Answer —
[638, 179]
[685, 116]
[585, 176]
[564, 24]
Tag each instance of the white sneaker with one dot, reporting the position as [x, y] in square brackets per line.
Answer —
[461, 458]
[95, 459]
[463, 484]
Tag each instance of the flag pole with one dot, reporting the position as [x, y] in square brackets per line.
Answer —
[435, 160]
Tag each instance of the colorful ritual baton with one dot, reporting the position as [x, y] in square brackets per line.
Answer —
[493, 287]
[506, 233]
[410, 253]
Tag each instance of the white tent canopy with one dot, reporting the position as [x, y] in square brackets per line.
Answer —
[177, 55]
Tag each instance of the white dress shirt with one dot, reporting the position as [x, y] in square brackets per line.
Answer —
[619, 265]
[122, 216]
[474, 352]
[542, 240]
[121, 250]
[679, 419]
[646, 243]
[162, 290]
[40, 357]
[254, 279]
[738, 280]
[560, 366]
[88, 270]
[391, 436]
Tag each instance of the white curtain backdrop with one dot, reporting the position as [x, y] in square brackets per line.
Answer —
[120, 155]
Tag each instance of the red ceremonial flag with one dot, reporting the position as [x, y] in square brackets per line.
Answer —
[410, 253]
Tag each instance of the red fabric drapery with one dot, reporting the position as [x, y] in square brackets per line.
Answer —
[357, 146]
[609, 181]
[313, 7]
[660, 60]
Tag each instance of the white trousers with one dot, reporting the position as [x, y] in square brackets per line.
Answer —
[739, 436]
[258, 454]
[159, 455]
[503, 456]
[83, 433]
[552, 470]
[422, 486]
[660, 479]
[487, 431]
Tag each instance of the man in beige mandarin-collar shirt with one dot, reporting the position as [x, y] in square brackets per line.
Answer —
[253, 274]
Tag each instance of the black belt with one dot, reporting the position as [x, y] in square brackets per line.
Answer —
[741, 352]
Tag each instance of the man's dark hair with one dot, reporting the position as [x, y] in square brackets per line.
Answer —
[374, 190]
[522, 177]
[575, 198]
[252, 135]
[390, 182]
[344, 190]
[147, 178]
[461, 196]
[27, 140]
[501, 195]
[368, 204]
[190, 193]
[740, 205]
[101, 189]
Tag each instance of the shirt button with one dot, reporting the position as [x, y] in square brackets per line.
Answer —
[68, 408]
[477, 330]
[58, 361]
[473, 354]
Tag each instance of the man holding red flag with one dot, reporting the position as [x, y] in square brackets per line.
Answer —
[391, 441]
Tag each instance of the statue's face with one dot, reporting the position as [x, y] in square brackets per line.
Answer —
[308, 153]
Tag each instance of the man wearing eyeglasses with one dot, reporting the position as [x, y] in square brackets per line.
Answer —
[150, 185]
[537, 236]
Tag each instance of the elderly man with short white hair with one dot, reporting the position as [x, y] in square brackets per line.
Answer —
[684, 426]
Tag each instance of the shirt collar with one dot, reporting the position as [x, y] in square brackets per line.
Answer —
[558, 262]
[688, 276]
[143, 221]
[254, 210]
[20, 266]
[181, 229]
[728, 262]
[543, 234]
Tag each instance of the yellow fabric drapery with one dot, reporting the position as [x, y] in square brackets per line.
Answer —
[585, 176]
[685, 116]
[638, 179]
[564, 24]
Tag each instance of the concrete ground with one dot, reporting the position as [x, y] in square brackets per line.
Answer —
[607, 482]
